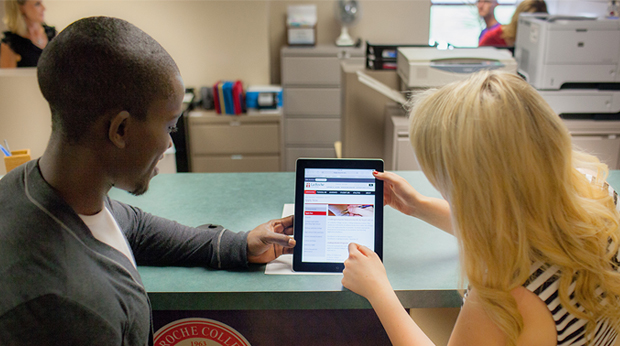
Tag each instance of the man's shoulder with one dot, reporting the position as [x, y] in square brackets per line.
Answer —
[493, 37]
[495, 29]
[16, 191]
[494, 26]
[54, 319]
[12, 196]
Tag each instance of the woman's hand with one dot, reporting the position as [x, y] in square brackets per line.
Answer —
[364, 273]
[400, 195]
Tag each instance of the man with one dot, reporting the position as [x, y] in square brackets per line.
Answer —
[486, 10]
[68, 253]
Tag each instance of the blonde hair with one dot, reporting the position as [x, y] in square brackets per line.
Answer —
[504, 161]
[13, 18]
[509, 31]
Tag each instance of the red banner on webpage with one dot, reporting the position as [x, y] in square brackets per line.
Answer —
[308, 212]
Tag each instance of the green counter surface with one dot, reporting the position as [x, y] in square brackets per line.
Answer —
[421, 260]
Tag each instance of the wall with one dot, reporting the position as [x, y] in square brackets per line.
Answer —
[209, 40]
[212, 40]
[25, 118]
[380, 21]
[2, 25]
[198, 33]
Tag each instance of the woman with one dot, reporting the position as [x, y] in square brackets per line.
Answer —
[506, 35]
[22, 45]
[538, 239]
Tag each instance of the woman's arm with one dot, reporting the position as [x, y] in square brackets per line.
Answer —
[400, 195]
[365, 275]
[8, 58]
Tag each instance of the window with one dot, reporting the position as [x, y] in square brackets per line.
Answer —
[457, 23]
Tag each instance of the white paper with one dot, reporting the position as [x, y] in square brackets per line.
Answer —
[288, 209]
[380, 87]
[283, 265]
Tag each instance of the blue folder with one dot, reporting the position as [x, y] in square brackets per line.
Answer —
[228, 97]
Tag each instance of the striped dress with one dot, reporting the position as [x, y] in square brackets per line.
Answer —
[544, 282]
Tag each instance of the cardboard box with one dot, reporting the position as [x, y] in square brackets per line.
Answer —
[17, 158]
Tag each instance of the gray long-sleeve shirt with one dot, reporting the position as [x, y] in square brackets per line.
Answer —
[61, 286]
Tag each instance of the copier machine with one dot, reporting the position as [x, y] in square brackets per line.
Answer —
[574, 63]
[427, 67]
[424, 67]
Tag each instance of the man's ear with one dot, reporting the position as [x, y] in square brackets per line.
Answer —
[118, 127]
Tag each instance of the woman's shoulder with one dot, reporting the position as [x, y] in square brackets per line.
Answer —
[8, 37]
[50, 31]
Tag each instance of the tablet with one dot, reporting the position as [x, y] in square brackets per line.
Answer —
[337, 202]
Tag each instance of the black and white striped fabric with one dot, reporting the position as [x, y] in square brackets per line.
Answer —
[544, 282]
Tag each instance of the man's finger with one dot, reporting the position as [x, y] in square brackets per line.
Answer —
[280, 239]
[287, 221]
[288, 231]
[281, 225]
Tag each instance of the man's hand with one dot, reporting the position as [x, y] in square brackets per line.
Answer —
[271, 239]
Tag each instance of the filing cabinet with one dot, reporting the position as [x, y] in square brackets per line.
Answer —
[312, 100]
[245, 143]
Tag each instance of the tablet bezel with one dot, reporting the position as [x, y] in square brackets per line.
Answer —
[301, 165]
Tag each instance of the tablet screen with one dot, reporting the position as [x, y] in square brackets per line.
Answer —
[337, 202]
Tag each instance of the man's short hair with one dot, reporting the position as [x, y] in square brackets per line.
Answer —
[100, 65]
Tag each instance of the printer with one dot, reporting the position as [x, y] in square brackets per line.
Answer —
[573, 62]
[555, 50]
[422, 67]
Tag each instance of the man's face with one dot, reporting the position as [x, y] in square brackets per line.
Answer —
[486, 7]
[151, 138]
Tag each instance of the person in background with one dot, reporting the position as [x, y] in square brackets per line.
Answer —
[536, 223]
[506, 35]
[28, 35]
[486, 11]
[69, 253]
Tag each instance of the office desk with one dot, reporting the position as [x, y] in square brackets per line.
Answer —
[421, 261]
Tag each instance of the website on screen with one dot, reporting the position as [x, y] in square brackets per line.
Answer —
[339, 208]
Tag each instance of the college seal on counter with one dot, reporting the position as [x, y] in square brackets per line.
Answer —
[198, 332]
